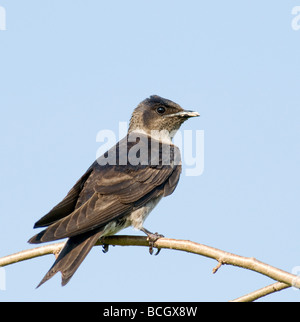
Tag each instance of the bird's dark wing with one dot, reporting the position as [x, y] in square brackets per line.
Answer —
[112, 191]
[67, 205]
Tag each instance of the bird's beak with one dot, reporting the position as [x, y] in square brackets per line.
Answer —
[185, 113]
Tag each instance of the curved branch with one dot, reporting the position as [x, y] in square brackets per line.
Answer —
[275, 287]
[224, 258]
[31, 253]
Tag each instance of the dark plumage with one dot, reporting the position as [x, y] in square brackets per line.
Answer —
[110, 197]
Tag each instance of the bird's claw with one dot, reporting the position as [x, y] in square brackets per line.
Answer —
[105, 248]
[152, 238]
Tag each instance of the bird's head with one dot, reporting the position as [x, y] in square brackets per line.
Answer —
[158, 114]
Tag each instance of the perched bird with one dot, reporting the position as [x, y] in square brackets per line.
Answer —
[120, 188]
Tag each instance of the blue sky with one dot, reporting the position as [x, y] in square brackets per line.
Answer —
[69, 69]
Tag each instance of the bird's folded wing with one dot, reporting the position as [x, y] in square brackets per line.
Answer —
[106, 193]
[67, 205]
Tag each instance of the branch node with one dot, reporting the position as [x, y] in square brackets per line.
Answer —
[215, 269]
[56, 252]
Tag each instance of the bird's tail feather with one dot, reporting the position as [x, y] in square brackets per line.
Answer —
[71, 256]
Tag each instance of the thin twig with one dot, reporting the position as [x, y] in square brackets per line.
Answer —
[215, 269]
[275, 287]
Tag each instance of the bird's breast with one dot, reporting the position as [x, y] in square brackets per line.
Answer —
[138, 216]
[136, 219]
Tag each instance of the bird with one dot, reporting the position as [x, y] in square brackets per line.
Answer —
[120, 188]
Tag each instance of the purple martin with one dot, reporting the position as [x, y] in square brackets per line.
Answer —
[120, 188]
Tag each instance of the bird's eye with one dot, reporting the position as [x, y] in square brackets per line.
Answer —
[160, 110]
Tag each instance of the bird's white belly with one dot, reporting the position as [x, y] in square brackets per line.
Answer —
[137, 217]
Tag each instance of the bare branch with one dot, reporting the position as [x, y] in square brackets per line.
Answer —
[31, 253]
[285, 279]
[275, 287]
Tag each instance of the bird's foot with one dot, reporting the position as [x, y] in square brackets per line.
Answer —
[152, 238]
[105, 248]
